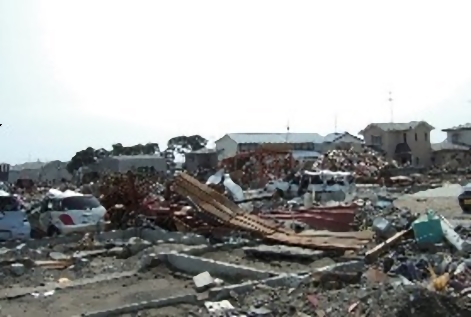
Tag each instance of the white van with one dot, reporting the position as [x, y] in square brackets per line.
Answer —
[70, 212]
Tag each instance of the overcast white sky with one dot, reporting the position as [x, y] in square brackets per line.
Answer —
[92, 73]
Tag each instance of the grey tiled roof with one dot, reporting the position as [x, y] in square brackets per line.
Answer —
[392, 126]
[466, 126]
[276, 137]
[443, 146]
[332, 137]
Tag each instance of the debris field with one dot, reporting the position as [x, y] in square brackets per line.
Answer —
[181, 247]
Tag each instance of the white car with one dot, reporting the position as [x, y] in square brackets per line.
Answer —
[13, 222]
[70, 212]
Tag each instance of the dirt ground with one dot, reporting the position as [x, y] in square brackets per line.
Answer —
[99, 296]
[446, 206]
[171, 311]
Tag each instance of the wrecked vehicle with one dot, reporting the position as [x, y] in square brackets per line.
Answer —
[13, 221]
[69, 212]
[318, 183]
[464, 199]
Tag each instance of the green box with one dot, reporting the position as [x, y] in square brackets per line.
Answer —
[428, 229]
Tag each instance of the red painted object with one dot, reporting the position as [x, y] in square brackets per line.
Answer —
[335, 218]
[66, 220]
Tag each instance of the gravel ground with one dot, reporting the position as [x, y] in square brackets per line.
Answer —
[172, 311]
[372, 301]
[103, 264]
[443, 200]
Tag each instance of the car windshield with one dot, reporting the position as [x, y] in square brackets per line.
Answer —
[9, 203]
[80, 203]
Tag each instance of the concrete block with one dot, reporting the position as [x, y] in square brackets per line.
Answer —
[219, 293]
[136, 245]
[197, 250]
[283, 251]
[195, 265]
[283, 280]
[203, 281]
[17, 269]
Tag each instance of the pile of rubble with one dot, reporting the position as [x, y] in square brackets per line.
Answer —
[363, 258]
[185, 248]
[368, 163]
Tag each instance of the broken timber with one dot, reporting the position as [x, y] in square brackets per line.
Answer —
[227, 212]
[372, 254]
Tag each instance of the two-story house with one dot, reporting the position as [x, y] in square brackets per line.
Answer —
[455, 150]
[403, 142]
[459, 135]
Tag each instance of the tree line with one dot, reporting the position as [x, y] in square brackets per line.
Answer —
[178, 144]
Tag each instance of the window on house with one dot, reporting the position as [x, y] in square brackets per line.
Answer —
[455, 137]
[243, 147]
[376, 140]
[417, 161]
[416, 136]
[425, 136]
[404, 137]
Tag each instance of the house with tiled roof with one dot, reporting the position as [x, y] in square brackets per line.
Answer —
[460, 134]
[341, 140]
[302, 145]
[404, 142]
[455, 148]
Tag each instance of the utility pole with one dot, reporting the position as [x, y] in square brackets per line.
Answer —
[335, 123]
[391, 105]
[287, 131]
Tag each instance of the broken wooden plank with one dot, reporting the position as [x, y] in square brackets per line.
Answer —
[373, 254]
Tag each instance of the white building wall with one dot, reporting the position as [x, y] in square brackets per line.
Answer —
[463, 136]
[226, 146]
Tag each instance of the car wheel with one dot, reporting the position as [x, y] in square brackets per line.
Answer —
[52, 231]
